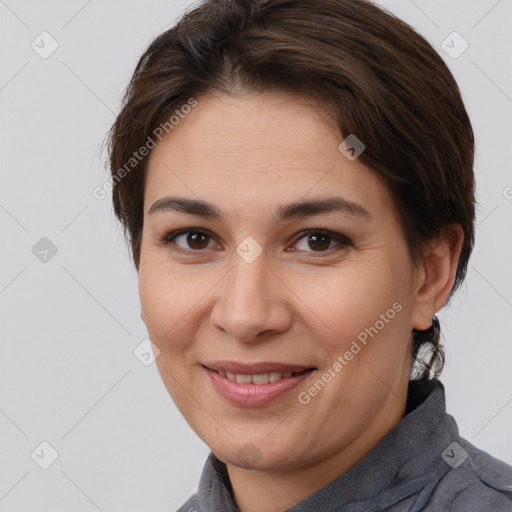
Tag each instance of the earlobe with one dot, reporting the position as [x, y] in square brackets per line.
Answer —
[436, 281]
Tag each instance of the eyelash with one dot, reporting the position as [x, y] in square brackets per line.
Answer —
[334, 236]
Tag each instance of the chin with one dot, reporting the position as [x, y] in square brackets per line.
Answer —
[257, 453]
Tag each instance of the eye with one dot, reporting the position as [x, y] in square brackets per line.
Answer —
[195, 240]
[321, 239]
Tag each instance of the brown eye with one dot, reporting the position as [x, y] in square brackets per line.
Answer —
[315, 240]
[196, 240]
[320, 241]
[192, 240]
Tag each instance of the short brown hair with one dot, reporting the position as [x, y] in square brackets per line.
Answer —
[381, 79]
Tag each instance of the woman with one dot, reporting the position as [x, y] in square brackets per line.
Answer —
[296, 182]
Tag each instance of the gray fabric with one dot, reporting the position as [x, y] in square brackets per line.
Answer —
[406, 471]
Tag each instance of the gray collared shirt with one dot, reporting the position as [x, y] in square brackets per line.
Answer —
[421, 465]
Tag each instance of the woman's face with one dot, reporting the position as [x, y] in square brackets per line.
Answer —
[257, 285]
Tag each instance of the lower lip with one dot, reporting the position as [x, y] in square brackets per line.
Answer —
[254, 395]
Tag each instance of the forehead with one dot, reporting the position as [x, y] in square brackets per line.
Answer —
[258, 151]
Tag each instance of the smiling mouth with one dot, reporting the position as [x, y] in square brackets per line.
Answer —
[262, 378]
[259, 385]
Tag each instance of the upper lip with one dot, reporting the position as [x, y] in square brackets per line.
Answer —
[254, 368]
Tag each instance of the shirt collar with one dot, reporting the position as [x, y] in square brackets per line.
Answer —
[394, 469]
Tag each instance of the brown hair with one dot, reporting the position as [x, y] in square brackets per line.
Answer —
[383, 81]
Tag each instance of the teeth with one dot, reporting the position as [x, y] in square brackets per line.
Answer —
[263, 378]
[260, 379]
[243, 379]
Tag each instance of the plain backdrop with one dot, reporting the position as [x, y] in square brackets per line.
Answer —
[69, 307]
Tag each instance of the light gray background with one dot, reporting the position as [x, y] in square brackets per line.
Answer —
[68, 326]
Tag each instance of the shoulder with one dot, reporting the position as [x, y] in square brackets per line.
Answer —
[192, 505]
[475, 480]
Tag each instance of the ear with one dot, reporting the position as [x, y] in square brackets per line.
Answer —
[436, 276]
[141, 315]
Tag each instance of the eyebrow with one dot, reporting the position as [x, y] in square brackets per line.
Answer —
[284, 212]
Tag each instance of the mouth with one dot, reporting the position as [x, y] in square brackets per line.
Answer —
[255, 384]
[260, 378]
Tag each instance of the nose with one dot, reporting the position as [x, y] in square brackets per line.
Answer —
[252, 302]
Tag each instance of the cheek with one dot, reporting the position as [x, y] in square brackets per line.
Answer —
[362, 316]
[351, 300]
[159, 292]
[172, 300]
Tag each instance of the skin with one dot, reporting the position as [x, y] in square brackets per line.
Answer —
[249, 154]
